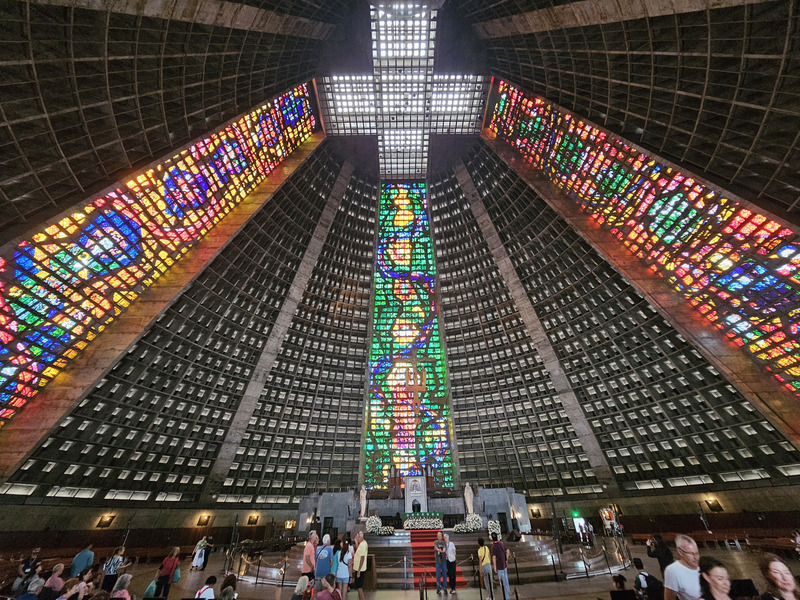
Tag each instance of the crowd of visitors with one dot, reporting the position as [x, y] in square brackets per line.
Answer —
[331, 570]
[692, 577]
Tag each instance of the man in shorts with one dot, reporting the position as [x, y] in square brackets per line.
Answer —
[359, 565]
[309, 555]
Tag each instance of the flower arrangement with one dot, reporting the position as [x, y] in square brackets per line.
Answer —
[494, 527]
[423, 523]
[474, 521]
[385, 530]
[374, 524]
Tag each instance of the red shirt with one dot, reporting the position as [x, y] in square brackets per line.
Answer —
[168, 566]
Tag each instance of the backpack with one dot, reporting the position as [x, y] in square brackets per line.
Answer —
[655, 589]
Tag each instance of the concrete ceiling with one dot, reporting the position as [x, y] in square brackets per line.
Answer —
[91, 90]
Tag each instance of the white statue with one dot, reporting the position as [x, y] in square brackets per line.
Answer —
[468, 496]
[362, 496]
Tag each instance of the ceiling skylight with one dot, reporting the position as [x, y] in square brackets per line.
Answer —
[402, 102]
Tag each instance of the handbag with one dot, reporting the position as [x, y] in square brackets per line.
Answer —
[176, 576]
[150, 592]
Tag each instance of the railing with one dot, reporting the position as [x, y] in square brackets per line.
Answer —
[582, 562]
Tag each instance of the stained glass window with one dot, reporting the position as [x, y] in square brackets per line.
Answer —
[62, 286]
[736, 266]
[408, 421]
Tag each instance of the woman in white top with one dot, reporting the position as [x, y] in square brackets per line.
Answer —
[344, 569]
[207, 591]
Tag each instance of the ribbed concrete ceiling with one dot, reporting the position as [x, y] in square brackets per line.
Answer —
[88, 93]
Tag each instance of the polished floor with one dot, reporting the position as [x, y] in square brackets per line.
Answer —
[742, 564]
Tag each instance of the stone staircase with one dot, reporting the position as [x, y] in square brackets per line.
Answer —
[534, 560]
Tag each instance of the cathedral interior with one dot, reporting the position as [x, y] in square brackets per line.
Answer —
[254, 250]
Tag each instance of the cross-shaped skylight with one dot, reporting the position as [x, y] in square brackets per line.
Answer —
[402, 102]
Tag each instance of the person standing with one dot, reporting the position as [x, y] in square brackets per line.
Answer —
[208, 550]
[83, 560]
[309, 554]
[451, 563]
[657, 548]
[500, 565]
[112, 568]
[166, 573]
[485, 558]
[343, 568]
[682, 578]
[323, 560]
[360, 564]
[199, 554]
[440, 550]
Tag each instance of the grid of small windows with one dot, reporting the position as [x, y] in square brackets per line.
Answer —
[155, 422]
[457, 103]
[403, 37]
[663, 416]
[348, 104]
[713, 90]
[305, 434]
[89, 95]
[509, 422]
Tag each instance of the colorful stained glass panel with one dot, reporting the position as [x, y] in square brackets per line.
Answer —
[62, 286]
[408, 421]
[735, 265]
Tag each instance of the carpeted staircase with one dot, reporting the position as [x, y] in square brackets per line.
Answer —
[424, 559]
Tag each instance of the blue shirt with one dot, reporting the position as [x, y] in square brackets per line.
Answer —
[83, 560]
[324, 555]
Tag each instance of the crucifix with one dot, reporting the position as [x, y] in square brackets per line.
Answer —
[403, 101]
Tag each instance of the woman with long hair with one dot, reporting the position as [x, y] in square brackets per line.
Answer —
[344, 569]
[166, 572]
[781, 584]
[112, 567]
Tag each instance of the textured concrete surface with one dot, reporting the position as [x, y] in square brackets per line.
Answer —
[558, 376]
[244, 412]
[218, 13]
[594, 12]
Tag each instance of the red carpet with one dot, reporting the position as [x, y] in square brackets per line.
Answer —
[424, 559]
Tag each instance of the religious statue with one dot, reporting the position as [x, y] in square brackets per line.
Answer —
[362, 496]
[468, 496]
